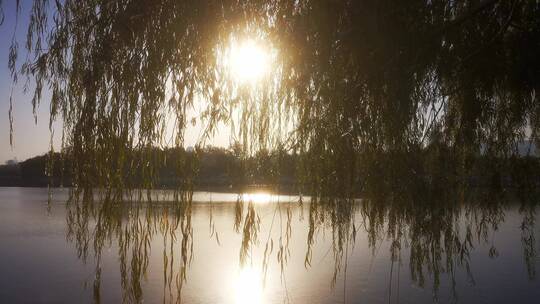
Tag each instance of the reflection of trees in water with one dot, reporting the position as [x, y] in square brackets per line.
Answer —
[439, 231]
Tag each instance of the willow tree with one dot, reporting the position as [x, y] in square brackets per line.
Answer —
[349, 79]
[352, 82]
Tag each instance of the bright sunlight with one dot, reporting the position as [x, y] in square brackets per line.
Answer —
[258, 197]
[249, 286]
[248, 61]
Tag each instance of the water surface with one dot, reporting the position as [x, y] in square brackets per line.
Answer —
[54, 253]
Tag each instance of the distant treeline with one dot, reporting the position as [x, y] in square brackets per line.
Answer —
[220, 168]
[205, 168]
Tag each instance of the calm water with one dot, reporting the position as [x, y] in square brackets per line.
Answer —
[59, 254]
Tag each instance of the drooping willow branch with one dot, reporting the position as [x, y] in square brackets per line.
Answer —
[350, 78]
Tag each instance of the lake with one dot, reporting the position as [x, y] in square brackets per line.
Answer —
[268, 249]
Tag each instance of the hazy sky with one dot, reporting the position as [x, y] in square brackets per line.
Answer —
[31, 139]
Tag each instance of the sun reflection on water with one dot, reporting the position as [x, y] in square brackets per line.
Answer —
[258, 197]
[249, 286]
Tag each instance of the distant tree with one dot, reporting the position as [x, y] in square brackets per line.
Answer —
[11, 162]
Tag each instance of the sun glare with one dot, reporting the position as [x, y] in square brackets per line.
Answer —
[249, 286]
[248, 61]
[258, 197]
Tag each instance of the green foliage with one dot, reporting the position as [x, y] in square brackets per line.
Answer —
[376, 96]
[350, 76]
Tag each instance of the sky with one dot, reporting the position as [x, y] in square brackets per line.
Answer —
[31, 138]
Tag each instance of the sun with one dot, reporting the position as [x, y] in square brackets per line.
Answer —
[248, 61]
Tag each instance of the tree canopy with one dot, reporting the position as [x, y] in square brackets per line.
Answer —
[350, 78]
[375, 87]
